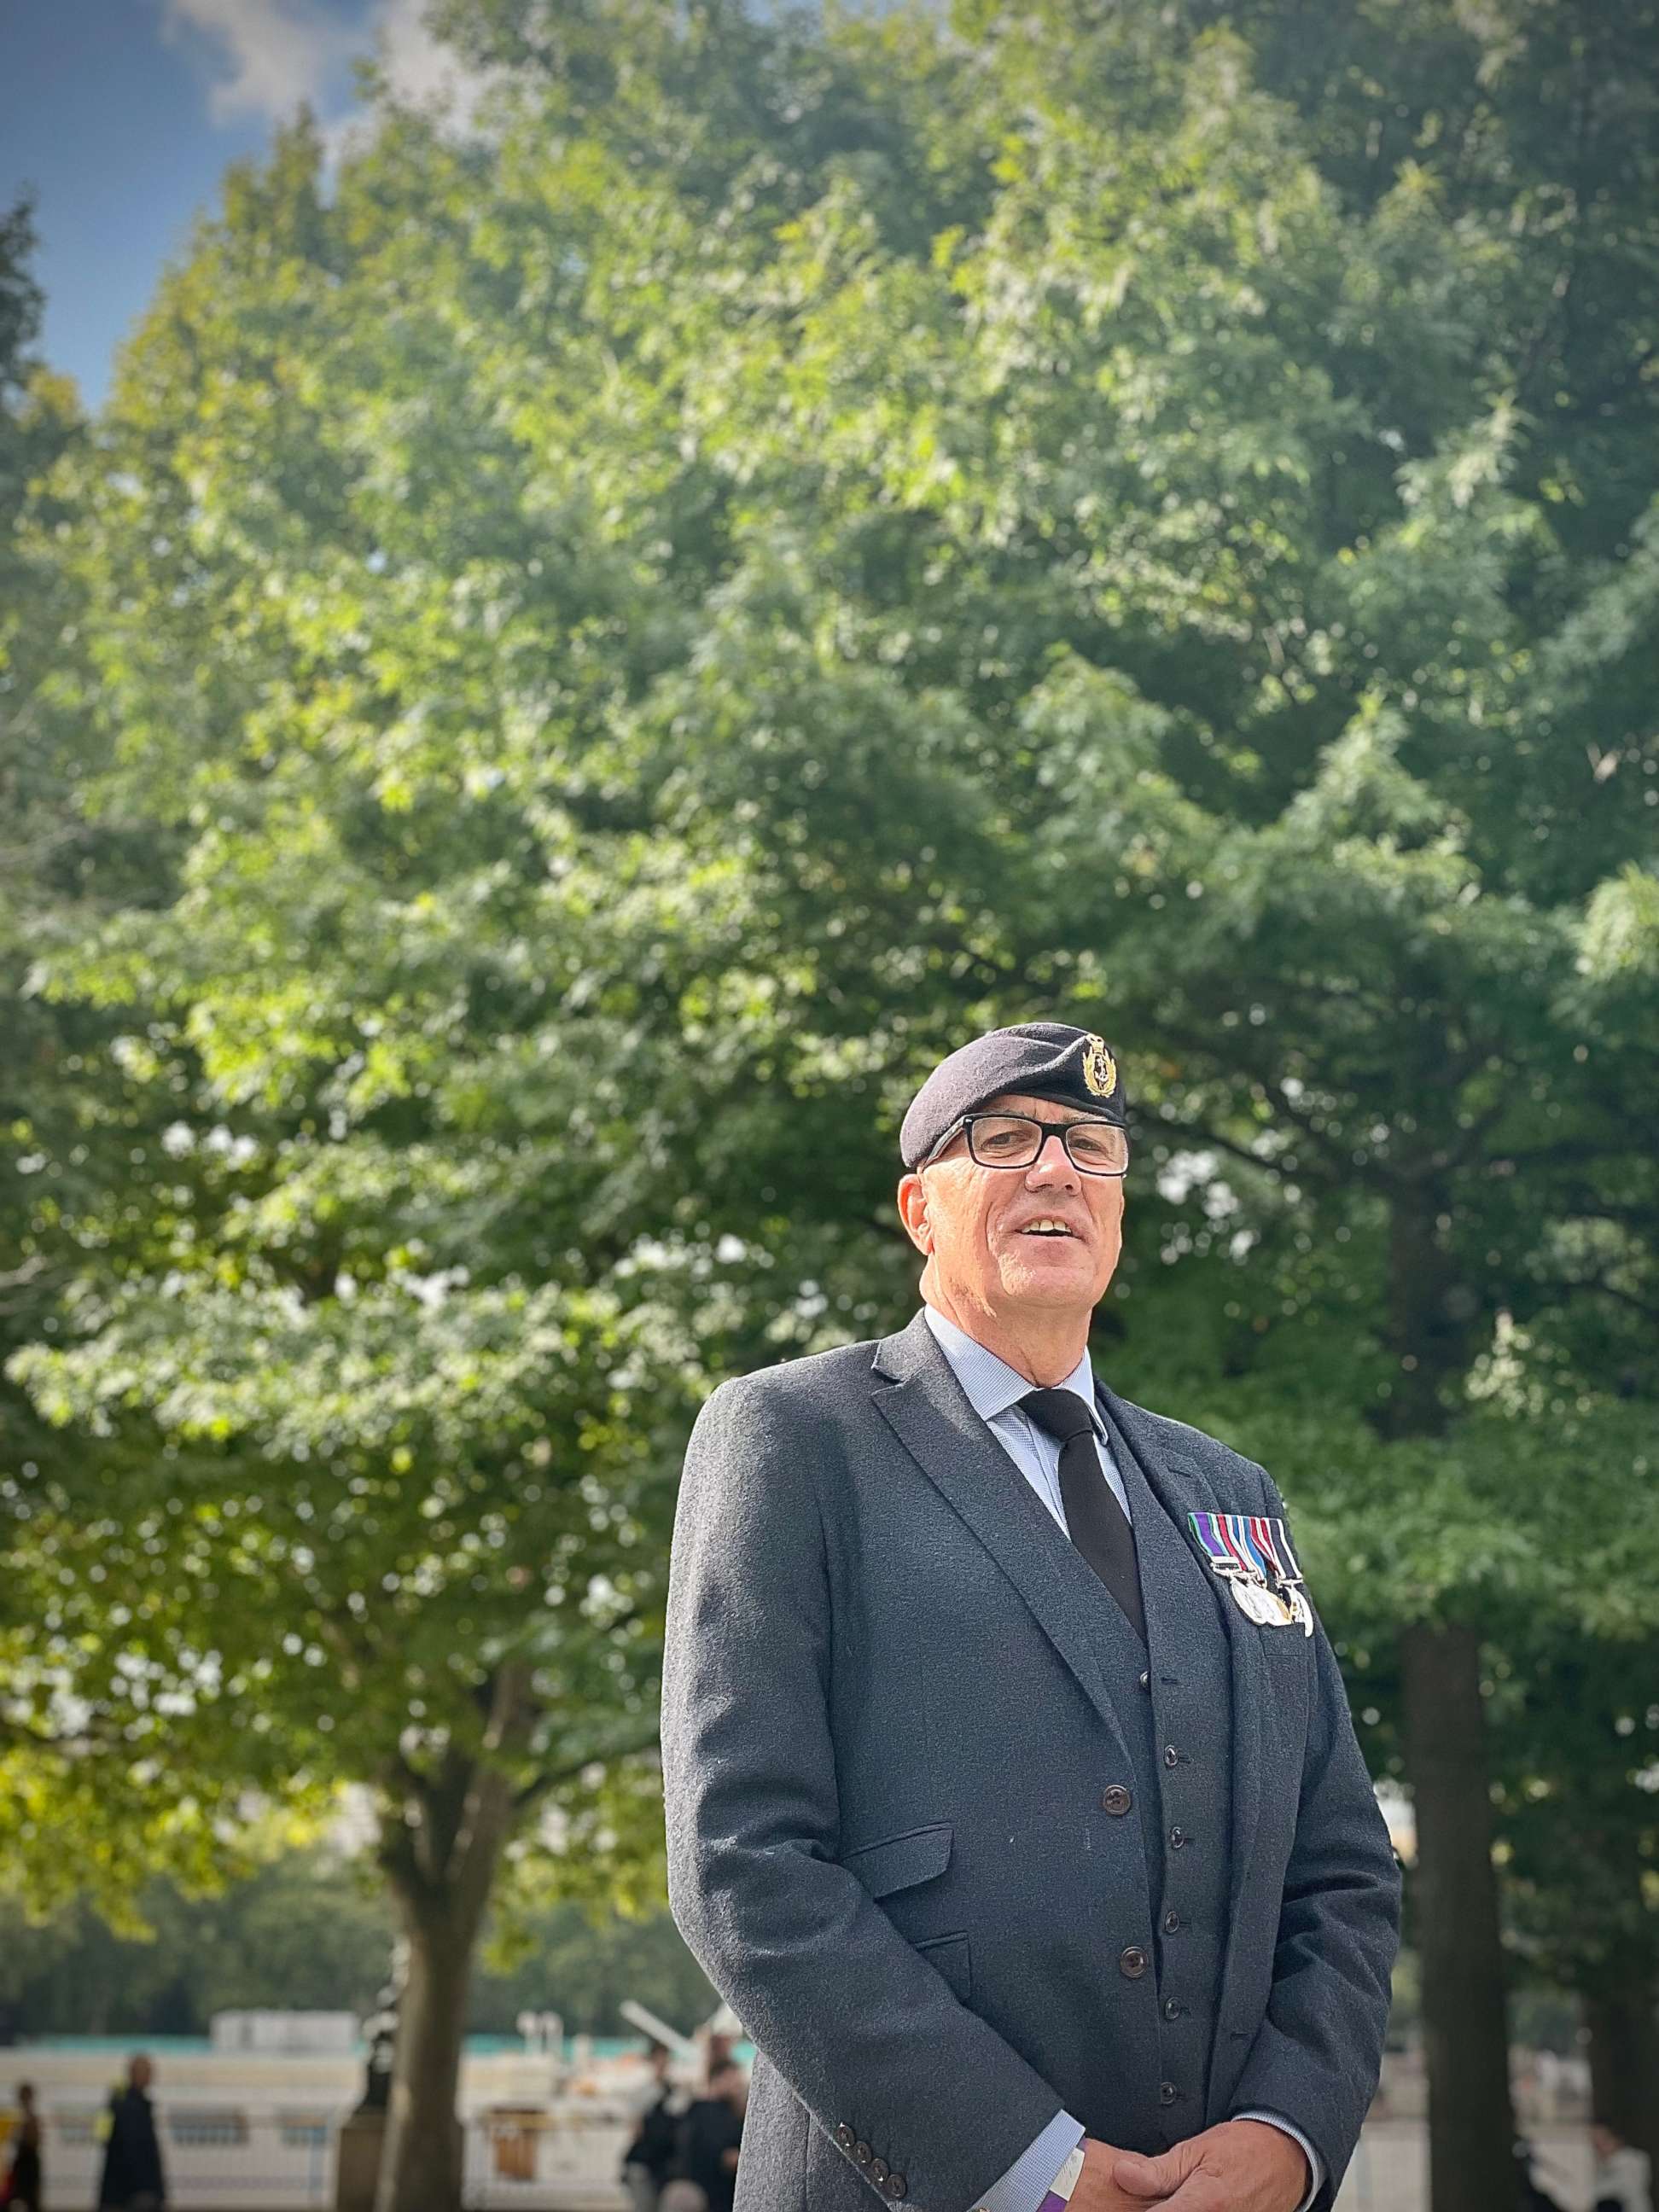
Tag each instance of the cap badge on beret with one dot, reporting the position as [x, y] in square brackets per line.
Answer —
[1099, 1068]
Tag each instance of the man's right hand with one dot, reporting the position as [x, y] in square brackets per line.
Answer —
[1095, 2189]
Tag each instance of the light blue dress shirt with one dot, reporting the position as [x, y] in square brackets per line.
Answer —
[994, 1390]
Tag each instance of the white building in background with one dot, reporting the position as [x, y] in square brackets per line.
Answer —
[331, 2033]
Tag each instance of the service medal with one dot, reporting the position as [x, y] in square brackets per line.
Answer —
[1251, 1554]
[1273, 1540]
[1257, 1603]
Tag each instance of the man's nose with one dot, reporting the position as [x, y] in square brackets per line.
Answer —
[1053, 1160]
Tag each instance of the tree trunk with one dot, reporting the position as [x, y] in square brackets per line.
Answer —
[1454, 1883]
[421, 2162]
[1455, 1904]
[1624, 2056]
[441, 1847]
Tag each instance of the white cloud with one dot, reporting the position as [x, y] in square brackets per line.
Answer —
[419, 68]
[278, 53]
[271, 55]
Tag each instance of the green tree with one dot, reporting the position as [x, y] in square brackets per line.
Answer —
[314, 1928]
[78, 1808]
[83, 1809]
[642, 626]
[400, 1516]
[303, 1930]
[1577, 1772]
[36, 423]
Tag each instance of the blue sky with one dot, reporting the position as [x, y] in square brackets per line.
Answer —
[120, 117]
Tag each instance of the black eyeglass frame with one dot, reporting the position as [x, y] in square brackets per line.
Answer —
[1047, 1129]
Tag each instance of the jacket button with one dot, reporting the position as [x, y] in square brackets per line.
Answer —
[844, 2136]
[1131, 1963]
[879, 2171]
[1167, 2092]
[1116, 1799]
[894, 2185]
[1171, 1921]
[862, 2152]
[1171, 1756]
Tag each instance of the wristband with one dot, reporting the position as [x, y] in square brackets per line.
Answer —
[1059, 2191]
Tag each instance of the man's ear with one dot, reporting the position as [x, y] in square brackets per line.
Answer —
[913, 1213]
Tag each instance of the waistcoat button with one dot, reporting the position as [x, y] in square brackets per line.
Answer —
[1177, 1837]
[1172, 2010]
[1171, 1756]
[1167, 2092]
[1171, 1923]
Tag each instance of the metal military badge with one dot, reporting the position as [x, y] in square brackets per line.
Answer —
[1253, 1557]
[1099, 1068]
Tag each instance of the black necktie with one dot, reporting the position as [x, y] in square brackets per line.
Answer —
[1099, 1527]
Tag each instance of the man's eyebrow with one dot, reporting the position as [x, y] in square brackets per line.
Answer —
[1048, 1107]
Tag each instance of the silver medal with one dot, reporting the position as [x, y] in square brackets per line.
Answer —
[1256, 1602]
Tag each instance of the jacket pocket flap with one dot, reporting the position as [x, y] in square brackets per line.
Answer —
[899, 1861]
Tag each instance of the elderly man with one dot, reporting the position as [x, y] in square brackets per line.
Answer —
[1013, 1799]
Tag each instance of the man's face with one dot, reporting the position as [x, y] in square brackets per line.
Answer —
[1042, 1237]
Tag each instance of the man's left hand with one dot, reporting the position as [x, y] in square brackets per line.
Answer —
[1242, 2165]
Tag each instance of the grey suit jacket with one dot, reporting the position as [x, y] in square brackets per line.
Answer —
[884, 1736]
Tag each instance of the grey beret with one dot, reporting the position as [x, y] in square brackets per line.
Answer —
[1047, 1060]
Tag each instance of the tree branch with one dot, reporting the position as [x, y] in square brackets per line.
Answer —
[1565, 1286]
[551, 1778]
[1285, 1170]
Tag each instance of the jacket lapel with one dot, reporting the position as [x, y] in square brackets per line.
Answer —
[927, 1410]
[1180, 1490]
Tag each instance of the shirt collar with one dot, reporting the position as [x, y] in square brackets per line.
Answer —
[991, 1384]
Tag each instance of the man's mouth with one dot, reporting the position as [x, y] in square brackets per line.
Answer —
[1047, 1225]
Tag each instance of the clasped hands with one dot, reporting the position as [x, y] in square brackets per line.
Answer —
[1242, 2165]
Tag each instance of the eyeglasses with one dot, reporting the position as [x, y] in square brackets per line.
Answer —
[1015, 1140]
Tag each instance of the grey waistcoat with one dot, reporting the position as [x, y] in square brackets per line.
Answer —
[1184, 1708]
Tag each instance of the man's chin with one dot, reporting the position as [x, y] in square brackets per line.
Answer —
[1062, 1283]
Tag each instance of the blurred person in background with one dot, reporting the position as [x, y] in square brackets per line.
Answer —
[710, 2137]
[1531, 2194]
[20, 2191]
[649, 2159]
[132, 2177]
[1624, 2175]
